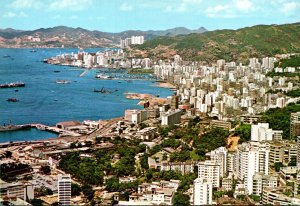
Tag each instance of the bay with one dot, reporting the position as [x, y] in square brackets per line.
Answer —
[44, 101]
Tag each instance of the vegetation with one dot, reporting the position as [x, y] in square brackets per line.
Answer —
[46, 169]
[256, 41]
[88, 191]
[113, 185]
[9, 171]
[181, 199]
[279, 118]
[244, 132]
[75, 189]
[293, 61]
[277, 166]
[211, 140]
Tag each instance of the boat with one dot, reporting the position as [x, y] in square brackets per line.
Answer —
[102, 90]
[56, 71]
[13, 127]
[12, 100]
[33, 50]
[102, 76]
[6, 56]
[62, 82]
[12, 84]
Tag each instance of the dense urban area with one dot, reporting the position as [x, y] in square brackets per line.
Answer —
[230, 134]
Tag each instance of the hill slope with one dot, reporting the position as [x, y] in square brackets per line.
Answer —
[256, 41]
[73, 37]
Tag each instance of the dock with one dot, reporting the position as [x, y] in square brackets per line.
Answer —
[84, 72]
[56, 130]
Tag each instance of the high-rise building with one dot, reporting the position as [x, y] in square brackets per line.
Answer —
[202, 192]
[295, 125]
[219, 155]
[210, 171]
[64, 189]
[251, 157]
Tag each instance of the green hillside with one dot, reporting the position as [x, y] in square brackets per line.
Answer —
[256, 41]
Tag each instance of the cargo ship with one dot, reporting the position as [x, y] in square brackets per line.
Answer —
[12, 84]
[13, 127]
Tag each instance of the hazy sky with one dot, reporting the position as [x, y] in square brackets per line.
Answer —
[119, 15]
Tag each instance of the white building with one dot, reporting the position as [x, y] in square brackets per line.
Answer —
[202, 192]
[261, 132]
[210, 171]
[251, 157]
[219, 155]
[64, 189]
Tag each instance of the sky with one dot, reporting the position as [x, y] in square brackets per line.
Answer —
[120, 15]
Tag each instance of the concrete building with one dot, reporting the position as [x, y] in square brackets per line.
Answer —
[171, 117]
[210, 171]
[202, 192]
[260, 181]
[220, 124]
[64, 189]
[295, 125]
[17, 190]
[219, 155]
[251, 157]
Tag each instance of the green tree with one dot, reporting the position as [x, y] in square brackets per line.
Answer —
[88, 191]
[46, 169]
[181, 199]
[277, 166]
[75, 189]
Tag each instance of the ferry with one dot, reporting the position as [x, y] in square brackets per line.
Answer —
[62, 82]
[11, 127]
[102, 76]
[12, 84]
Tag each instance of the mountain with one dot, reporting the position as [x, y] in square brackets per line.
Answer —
[240, 44]
[74, 37]
[176, 31]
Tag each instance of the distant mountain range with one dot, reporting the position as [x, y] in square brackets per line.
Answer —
[240, 44]
[73, 37]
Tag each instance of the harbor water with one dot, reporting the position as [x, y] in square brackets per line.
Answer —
[44, 101]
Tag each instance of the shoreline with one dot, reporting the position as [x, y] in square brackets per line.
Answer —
[135, 96]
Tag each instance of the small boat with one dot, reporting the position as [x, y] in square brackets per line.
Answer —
[102, 90]
[32, 50]
[56, 71]
[102, 76]
[16, 90]
[62, 82]
[12, 100]
[6, 56]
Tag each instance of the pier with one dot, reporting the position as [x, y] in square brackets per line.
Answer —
[59, 131]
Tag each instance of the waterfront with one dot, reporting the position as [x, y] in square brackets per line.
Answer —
[44, 101]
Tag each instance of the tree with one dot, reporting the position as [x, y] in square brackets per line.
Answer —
[144, 161]
[88, 191]
[75, 189]
[181, 199]
[277, 166]
[36, 202]
[46, 169]
[8, 154]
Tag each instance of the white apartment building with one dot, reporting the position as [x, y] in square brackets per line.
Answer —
[202, 192]
[251, 157]
[64, 189]
[260, 181]
[262, 132]
[219, 155]
[210, 171]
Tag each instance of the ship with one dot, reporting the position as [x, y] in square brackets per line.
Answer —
[10, 127]
[12, 100]
[6, 56]
[12, 84]
[102, 90]
[33, 50]
[102, 76]
[62, 82]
